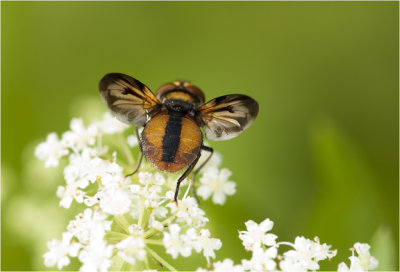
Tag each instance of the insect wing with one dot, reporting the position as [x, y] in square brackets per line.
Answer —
[227, 116]
[128, 99]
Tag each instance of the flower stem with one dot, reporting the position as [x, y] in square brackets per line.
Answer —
[151, 232]
[122, 222]
[126, 266]
[154, 242]
[141, 214]
[161, 260]
[146, 262]
[115, 236]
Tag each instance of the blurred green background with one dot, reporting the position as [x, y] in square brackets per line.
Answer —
[321, 158]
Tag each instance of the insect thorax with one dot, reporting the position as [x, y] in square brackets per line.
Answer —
[178, 107]
[182, 94]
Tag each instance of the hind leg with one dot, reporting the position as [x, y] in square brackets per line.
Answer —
[184, 175]
[211, 150]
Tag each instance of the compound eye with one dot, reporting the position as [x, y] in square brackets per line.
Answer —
[196, 92]
[165, 89]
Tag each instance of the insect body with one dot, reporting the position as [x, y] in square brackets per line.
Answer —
[172, 139]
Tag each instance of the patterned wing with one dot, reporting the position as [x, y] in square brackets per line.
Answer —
[227, 116]
[128, 99]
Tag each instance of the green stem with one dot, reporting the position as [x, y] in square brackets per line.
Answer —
[115, 236]
[146, 263]
[122, 222]
[141, 214]
[126, 266]
[154, 242]
[161, 260]
[151, 232]
[146, 219]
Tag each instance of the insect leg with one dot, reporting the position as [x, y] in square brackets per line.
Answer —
[211, 150]
[184, 175]
[141, 153]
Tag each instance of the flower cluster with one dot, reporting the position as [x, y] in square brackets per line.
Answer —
[304, 255]
[124, 216]
[363, 262]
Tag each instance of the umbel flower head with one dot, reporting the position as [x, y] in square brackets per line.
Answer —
[124, 218]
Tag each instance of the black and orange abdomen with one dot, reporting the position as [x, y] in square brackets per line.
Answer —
[171, 142]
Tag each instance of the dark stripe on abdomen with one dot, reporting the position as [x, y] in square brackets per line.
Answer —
[171, 138]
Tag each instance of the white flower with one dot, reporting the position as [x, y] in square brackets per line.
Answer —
[90, 201]
[136, 230]
[89, 226]
[207, 244]
[110, 125]
[152, 197]
[305, 255]
[69, 193]
[367, 262]
[261, 260]
[188, 211]
[159, 179]
[294, 262]
[132, 141]
[363, 262]
[148, 179]
[114, 200]
[215, 161]
[256, 234]
[131, 249]
[157, 225]
[135, 188]
[227, 265]
[160, 212]
[322, 252]
[175, 243]
[85, 168]
[151, 190]
[96, 256]
[59, 251]
[215, 183]
[79, 137]
[113, 175]
[150, 193]
[342, 267]
[51, 150]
